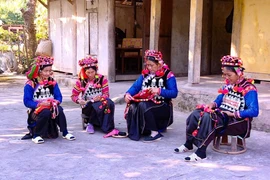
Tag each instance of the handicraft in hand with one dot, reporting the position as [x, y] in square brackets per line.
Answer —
[53, 106]
[145, 95]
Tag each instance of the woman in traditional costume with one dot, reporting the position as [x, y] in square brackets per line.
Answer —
[97, 107]
[43, 98]
[149, 107]
[231, 112]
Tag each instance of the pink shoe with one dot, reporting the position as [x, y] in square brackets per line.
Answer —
[90, 129]
[113, 132]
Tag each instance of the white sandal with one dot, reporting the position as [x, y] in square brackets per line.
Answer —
[193, 158]
[38, 140]
[69, 137]
[181, 149]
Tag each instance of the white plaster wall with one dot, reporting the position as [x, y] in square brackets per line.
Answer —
[55, 32]
[93, 34]
[61, 34]
[82, 32]
[67, 37]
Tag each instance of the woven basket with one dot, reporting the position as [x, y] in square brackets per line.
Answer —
[44, 48]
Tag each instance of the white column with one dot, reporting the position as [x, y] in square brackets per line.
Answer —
[106, 42]
[82, 32]
[195, 39]
[155, 23]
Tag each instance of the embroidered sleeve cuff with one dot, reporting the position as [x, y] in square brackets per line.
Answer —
[38, 104]
[159, 91]
[237, 115]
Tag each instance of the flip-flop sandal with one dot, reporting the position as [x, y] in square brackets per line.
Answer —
[38, 140]
[69, 137]
[112, 133]
[181, 149]
[193, 158]
[120, 135]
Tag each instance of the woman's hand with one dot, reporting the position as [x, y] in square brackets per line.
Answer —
[154, 91]
[97, 98]
[228, 113]
[212, 105]
[81, 102]
[45, 103]
[128, 97]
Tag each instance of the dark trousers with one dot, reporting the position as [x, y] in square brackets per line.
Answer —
[208, 130]
[42, 123]
[96, 116]
[147, 116]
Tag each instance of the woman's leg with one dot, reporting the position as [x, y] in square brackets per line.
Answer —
[191, 126]
[61, 121]
[107, 118]
[133, 122]
[207, 133]
[204, 131]
[157, 116]
[89, 112]
[41, 122]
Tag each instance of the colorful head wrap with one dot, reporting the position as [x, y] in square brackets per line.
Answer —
[44, 60]
[153, 55]
[235, 62]
[231, 61]
[88, 61]
[39, 63]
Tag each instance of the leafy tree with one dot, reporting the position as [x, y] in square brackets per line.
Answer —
[41, 22]
[33, 16]
[29, 18]
[10, 13]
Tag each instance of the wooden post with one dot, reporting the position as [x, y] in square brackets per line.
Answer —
[195, 39]
[155, 23]
[236, 31]
[111, 41]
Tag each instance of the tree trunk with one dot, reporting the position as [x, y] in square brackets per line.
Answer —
[29, 17]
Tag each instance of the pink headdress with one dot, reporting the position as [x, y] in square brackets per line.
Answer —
[40, 62]
[44, 60]
[89, 61]
[231, 61]
[153, 55]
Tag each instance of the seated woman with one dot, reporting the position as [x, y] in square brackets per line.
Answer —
[96, 105]
[231, 112]
[149, 99]
[43, 96]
